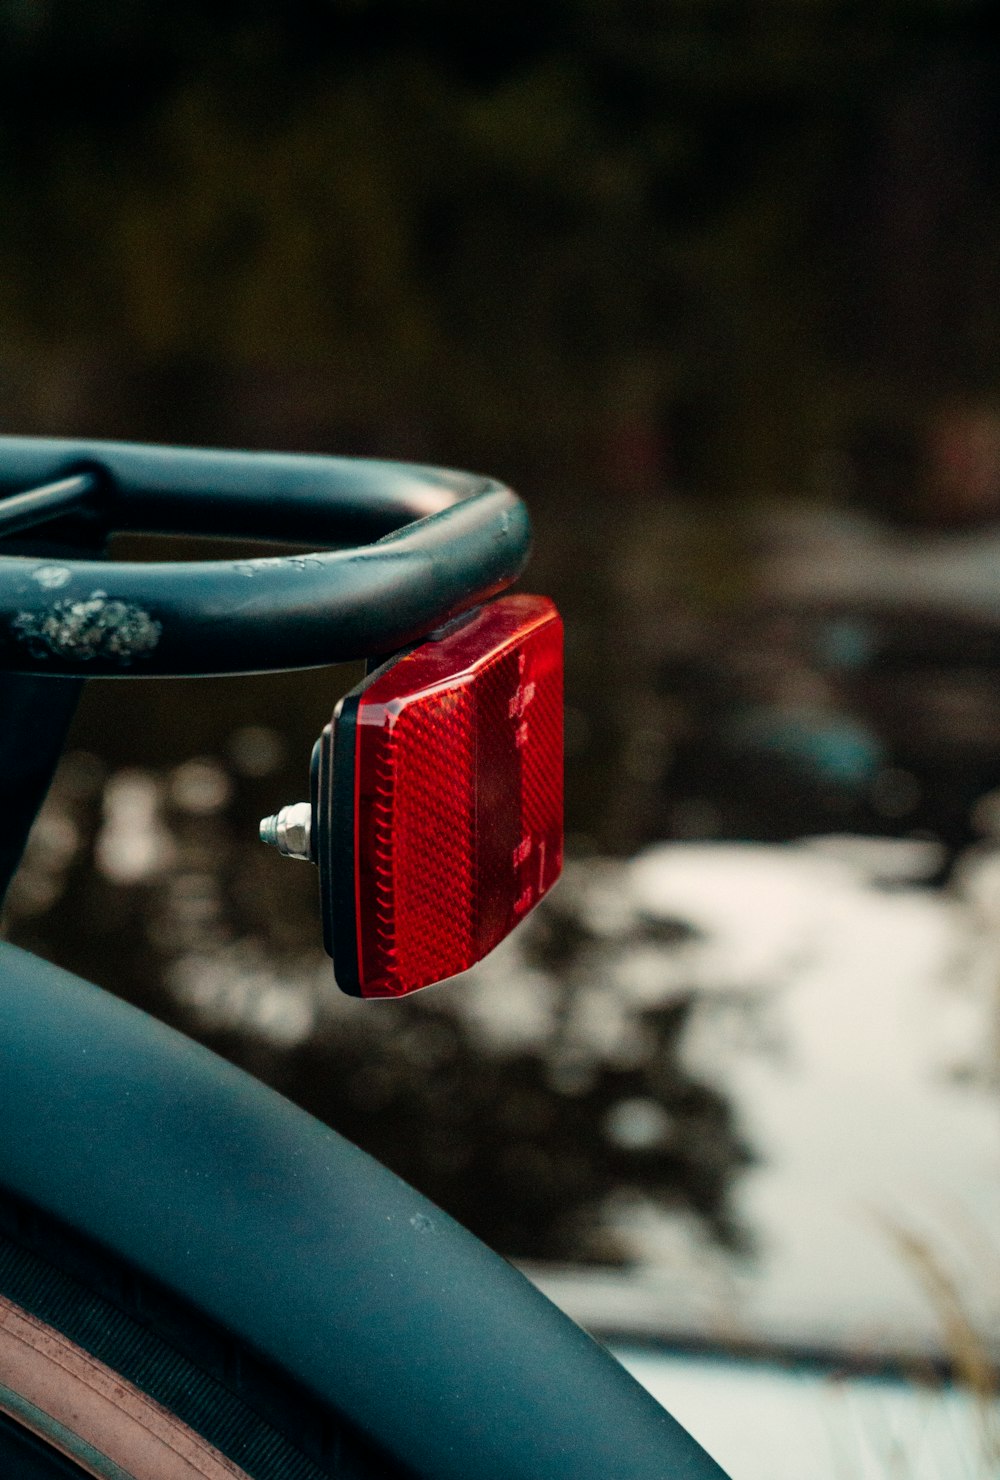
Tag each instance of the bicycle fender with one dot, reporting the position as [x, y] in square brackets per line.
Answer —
[301, 1245]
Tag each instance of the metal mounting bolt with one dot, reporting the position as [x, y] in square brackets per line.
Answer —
[290, 831]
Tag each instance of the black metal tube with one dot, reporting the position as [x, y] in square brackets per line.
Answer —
[444, 542]
[36, 505]
[298, 498]
[35, 713]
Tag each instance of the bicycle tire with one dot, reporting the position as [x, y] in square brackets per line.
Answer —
[100, 1367]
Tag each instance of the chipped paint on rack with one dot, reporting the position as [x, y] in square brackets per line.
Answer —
[97, 627]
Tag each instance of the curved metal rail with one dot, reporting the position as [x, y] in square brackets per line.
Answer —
[443, 541]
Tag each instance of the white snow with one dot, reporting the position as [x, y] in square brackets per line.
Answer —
[863, 1091]
[763, 1422]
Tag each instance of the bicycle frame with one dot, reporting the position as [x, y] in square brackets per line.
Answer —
[189, 1171]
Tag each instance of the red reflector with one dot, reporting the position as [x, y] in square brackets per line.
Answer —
[456, 754]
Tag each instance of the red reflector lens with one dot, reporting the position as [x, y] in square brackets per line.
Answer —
[458, 795]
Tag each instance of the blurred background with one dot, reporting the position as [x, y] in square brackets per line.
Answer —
[716, 287]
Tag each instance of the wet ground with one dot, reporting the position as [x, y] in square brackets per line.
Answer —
[755, 1085]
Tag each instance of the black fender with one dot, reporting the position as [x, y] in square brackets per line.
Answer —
[305, 1248]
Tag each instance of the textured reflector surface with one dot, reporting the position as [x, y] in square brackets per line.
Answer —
[458, 795]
